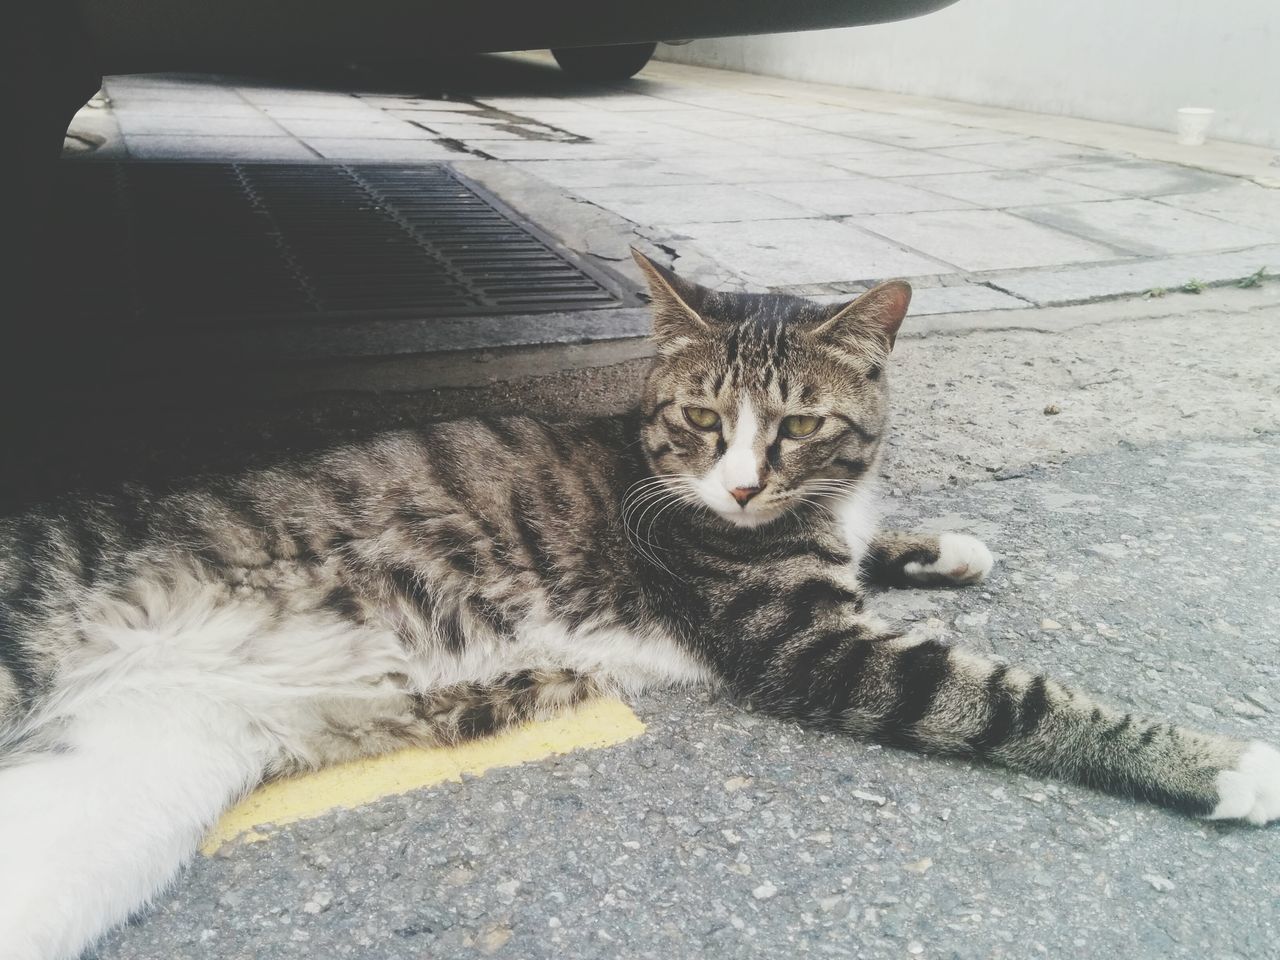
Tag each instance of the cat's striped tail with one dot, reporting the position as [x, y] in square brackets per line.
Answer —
[90, 831]
[921, 694]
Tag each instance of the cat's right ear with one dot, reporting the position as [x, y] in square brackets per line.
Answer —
[877, 315]
[675, 323]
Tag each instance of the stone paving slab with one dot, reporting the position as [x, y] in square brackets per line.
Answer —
[185, 109]
[730, 126]
[185, 147]
[363, 148]
[861, 195]
[377, 127]
[898, 131]
[962, 298]
[765, 170]
[1141, 178]
[936, 301]
[340, 109]
[417, 103]
[827, 147]
[984, 239]
[1081, 284]
[549, 150]
[578, 175]
[143, 122]
[710, 203]
[1001, 189]
[130, 89]
[471, 132]
[900, 162]
[1244, 203]
[1146, 227]
[288, 96]
[1029, 154]
[776, 253]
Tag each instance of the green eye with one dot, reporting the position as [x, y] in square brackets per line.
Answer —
[702, 418]
[799, 426]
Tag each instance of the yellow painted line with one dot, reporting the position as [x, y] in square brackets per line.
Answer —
[599, 723]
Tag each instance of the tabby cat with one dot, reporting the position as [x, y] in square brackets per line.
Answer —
[161, 653]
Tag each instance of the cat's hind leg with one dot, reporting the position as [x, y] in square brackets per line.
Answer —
[926, 559]
[342, 729]
[90, 831]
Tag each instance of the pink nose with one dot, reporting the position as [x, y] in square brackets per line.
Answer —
[743, 494]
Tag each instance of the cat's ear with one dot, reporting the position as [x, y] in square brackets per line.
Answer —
[675, 323]
[877, 313]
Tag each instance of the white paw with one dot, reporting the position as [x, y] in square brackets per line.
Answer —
[1252, 790]
[961, 559]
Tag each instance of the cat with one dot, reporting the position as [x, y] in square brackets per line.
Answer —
[162, 653]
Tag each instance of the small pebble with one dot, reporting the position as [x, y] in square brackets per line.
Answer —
[319, 901]
[1259, 698]
[1052, 410]
[871, 797]
[1162, 884]
[1112, 551]
[1199, 710]
[1243, 709]
[495, 939]
[766, 891]
[1047, 624]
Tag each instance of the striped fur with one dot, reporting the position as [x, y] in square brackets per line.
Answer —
[164, 651]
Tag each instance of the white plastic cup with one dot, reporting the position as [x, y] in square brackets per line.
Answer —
[1193, 123]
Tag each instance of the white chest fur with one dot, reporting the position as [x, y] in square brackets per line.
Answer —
[859, 516]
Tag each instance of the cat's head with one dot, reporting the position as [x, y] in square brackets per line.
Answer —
[760, 403]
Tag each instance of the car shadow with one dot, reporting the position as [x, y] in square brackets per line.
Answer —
[463, 77]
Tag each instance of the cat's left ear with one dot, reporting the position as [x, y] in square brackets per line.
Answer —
[675, 323]
[877, 313]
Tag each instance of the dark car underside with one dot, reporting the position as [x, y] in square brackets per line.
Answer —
[57, 51]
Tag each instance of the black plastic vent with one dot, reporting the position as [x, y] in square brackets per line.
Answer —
[163, 244]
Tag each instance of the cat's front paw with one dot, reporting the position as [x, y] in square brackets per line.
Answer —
[1251, 790]
[961, 559]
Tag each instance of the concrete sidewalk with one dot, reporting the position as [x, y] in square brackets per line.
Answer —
[756, 183]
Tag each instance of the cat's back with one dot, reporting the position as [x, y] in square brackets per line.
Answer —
[296, 505]
[488, 475]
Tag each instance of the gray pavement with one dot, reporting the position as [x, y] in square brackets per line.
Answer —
[755, 183]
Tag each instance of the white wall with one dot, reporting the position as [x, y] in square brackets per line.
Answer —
[1126, 61]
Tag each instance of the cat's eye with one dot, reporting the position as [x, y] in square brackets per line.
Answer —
[702, 418]
[799, 426]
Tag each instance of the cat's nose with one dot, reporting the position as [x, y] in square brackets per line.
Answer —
[743, 494]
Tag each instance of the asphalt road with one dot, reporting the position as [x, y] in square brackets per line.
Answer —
[1146, 574]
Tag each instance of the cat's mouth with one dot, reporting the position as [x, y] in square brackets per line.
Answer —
[756, 512]
[752, 518]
